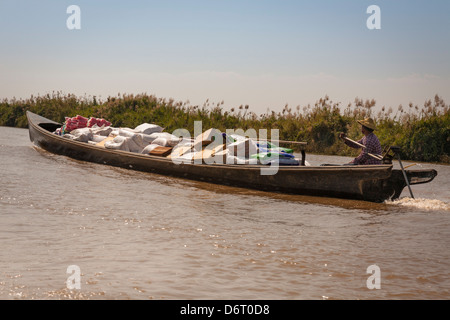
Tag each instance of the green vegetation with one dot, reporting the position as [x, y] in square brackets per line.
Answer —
[423, 133]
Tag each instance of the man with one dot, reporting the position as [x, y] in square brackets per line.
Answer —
[370, 141]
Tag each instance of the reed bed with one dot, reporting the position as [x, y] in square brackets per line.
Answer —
[422, 132]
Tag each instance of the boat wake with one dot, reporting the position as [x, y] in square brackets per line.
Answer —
[420, 203]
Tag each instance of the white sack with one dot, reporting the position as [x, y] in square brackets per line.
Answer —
[147, 138]
[126, 133]
[238, 137]
[161, 142]
[82, 135]
[243, 148]
[68, 136]
[101, 131]
[135, 137]
[98, 138]
[148, 128]
[133, 146]
[121, 145]
[166, 139]
[119, 139]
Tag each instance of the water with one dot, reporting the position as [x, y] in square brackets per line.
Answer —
[135, 235]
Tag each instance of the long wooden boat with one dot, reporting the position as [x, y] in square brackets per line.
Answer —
[375, 183]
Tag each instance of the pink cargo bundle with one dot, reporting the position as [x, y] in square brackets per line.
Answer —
[79, 122]
[97, 121]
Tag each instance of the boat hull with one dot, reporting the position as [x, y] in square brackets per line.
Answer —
[370, 183]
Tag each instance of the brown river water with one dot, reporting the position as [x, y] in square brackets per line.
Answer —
[133, 235]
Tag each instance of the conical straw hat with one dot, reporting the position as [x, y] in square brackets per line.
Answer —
[368, 123]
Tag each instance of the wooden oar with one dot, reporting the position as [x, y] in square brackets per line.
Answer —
[404, 175]
[378, 157]
[397, 153]
[279, 141]
[285, 141]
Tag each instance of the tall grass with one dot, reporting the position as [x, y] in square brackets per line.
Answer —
[423, 133]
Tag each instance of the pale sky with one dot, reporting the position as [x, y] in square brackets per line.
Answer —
[263, 53]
